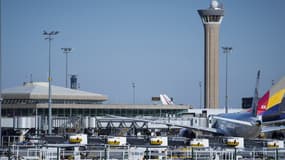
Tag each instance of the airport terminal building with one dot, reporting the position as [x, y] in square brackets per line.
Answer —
[32, 99]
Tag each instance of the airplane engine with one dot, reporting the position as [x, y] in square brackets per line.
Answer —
[184, 132]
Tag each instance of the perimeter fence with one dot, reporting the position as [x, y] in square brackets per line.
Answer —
[107, 152]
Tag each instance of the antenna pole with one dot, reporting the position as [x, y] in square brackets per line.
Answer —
[255, 98]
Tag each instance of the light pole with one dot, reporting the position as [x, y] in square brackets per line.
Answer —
[49, 36]
[226, 51]
[0, 74]
[134, 92]
[66, 51]
[200, 86]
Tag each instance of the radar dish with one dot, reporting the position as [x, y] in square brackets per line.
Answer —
[214, 4]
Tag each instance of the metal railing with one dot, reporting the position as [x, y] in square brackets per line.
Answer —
[132, 153]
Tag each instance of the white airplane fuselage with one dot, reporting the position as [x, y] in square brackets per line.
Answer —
[229, 128]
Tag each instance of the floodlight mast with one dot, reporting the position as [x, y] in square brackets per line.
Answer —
[66, 51]
[0, 74]
[49, 37]
[226, 50]
[134, 92]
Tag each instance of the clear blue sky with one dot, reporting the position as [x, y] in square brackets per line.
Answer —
[158, 44]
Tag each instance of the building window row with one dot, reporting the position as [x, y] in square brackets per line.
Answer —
[212, 18]
[57, 101]
[88, 112]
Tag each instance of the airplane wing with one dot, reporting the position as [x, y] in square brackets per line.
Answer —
[272, 128]
[204, 129]
[273, 122]
[233, 120]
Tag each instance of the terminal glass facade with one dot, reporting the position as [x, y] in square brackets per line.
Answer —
[65, 112]
[30, 107]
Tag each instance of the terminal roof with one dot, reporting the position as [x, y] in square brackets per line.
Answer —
[39, 90]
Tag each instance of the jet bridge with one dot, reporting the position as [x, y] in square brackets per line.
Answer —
[120, 123]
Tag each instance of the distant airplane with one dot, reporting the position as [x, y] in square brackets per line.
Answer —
[165, 100]
[248, 124]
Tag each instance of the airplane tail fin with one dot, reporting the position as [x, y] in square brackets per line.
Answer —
[255, 97]
[165, 100]
[271, 100]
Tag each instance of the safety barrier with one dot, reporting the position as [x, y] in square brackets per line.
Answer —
[139, 153]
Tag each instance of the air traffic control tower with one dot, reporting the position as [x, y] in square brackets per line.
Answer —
[211, 18]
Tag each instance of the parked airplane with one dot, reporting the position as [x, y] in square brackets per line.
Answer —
[248, 124]
[264, 112]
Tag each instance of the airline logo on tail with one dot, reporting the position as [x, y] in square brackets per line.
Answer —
[165, 100]
[271, 102]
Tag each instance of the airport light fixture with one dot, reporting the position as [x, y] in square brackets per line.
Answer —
[0, 74]
[200, 87]
[226, 51]
[66, 51]
[134, 92]
[49, 37]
